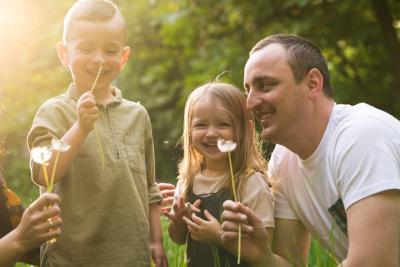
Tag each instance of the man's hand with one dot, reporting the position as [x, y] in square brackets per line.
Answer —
[255, 240]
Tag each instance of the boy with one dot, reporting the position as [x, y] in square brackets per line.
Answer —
[110, 214]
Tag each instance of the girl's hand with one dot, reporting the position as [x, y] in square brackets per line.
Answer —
[181, 209]
[206, 231]
[87, 112]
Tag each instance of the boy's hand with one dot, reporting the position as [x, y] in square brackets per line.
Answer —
[158, 255]
[206, 231]
[87, 112]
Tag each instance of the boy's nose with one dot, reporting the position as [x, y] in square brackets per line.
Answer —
[99, 57]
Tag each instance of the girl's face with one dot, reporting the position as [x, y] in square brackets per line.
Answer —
[210, 122]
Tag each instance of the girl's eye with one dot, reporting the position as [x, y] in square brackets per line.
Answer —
[199, 125]
[225, 124]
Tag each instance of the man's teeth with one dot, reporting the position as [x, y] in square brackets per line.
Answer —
[265, 116]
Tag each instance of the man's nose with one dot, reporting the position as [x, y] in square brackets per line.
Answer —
[252, 100]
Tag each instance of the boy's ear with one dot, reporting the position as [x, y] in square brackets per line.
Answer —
[62, 53]
[124, 57]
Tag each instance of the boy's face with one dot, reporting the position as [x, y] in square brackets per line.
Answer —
[90, 44]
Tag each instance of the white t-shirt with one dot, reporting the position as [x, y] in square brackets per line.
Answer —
[358, 156]
[255, 193]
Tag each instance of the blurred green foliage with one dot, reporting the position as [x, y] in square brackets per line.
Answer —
[180, 44]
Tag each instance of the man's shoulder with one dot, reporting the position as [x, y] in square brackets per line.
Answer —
[364, 120]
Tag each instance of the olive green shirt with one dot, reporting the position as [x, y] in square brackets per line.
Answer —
[105, 212]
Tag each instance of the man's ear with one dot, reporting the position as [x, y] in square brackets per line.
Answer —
[62, 53]
[124, 57]
[315, 82]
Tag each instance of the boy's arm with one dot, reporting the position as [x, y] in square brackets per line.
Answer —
[75, 136]
[156, 247]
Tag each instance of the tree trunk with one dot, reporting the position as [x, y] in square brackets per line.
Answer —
[383, 14]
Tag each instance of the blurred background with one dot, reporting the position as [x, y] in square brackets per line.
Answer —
[180, 44]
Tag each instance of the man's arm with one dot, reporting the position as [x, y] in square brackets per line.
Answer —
[291, 242]
[290, 245]
[374, 231]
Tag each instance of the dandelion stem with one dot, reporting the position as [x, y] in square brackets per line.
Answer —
[97, 77]
[50, 188]
[100, 146]
[46, 177]
[235, 198]
[98, 141]
[233, 181]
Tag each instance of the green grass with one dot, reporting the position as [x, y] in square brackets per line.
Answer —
[176, 253]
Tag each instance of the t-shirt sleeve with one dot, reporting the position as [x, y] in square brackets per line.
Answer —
[154, 191]
[282, 208]
[257, 196]
[366, 158]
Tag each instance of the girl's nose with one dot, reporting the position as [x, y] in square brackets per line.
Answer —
[212, 132]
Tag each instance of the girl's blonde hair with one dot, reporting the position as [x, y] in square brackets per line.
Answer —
[247, 157]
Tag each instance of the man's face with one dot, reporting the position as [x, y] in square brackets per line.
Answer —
[275, 98]
[90, 44]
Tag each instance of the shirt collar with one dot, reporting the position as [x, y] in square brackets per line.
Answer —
[75, 94]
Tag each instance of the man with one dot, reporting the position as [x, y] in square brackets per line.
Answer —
[335, 170]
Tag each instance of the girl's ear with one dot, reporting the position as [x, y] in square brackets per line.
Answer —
[62, 53]
[124, 57]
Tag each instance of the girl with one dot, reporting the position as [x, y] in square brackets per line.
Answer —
[216, 111]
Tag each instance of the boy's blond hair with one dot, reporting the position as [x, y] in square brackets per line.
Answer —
[92, 10]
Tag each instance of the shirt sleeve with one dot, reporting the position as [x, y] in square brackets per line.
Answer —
[154, 191]
[257, 196]
[44, 129]
[282, 208]
[366, 159]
